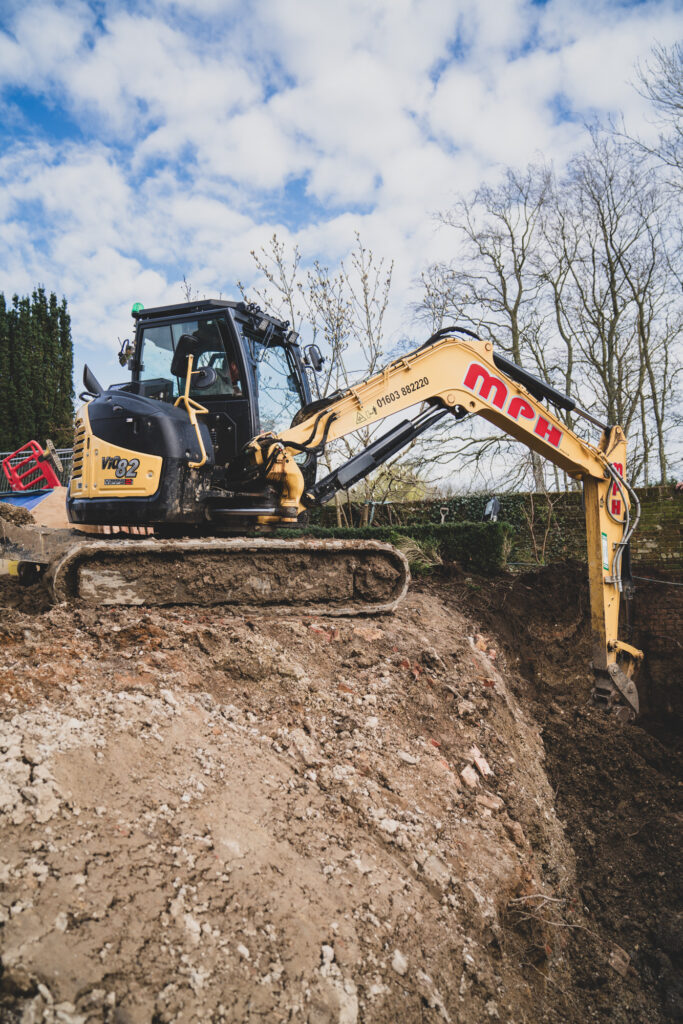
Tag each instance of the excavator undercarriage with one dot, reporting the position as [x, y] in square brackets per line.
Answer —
[198, 449]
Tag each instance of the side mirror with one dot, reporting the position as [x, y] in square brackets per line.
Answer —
[313, 357]
[126, 352]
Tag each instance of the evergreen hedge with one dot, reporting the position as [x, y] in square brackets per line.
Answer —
[481, 547]
[36, 369]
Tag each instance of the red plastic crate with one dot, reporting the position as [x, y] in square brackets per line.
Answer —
[32, 472]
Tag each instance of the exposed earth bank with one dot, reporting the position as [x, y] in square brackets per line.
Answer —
[213, 817]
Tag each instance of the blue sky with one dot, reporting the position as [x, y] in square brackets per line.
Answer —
[140, 142]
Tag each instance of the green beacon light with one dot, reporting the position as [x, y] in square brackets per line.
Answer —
[137, 308]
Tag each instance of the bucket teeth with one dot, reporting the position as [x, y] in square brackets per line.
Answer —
[615, 691]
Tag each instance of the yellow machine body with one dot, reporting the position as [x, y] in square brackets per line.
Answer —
[104, 470]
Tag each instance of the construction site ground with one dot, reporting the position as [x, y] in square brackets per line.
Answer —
[211, 816]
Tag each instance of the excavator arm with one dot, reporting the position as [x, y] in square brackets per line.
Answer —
[461, 376]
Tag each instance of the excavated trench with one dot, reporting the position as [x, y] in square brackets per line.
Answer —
[617, 789]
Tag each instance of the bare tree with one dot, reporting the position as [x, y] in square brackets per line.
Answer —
[660, 80]
[281, 290]
[606, 266]
[343, 310]
[493, 287]
[189, 293]
[577, 280]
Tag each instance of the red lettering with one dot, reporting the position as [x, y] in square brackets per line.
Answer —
[520, 407]
[548, 432]
[476, 372]
[620, 470]
[616, 506]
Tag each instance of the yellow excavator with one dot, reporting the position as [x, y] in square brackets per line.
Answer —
[216, 436]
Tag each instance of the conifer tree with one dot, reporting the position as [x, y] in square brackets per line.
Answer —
[36, 366]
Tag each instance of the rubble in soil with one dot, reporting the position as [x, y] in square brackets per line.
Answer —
[208, 816]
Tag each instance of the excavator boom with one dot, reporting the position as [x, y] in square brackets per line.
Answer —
[464, 376]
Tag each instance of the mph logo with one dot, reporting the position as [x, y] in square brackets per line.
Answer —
[483, 383]
[615, 500]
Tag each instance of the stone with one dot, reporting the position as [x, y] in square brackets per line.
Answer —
[31, 753]
[399, 963]
[193, 928]
[516, 833]
[619, 960]
[389, 825]
[406, 758]
[306, 748]
[431, 995]
[493, 803]
[481, 762]
[436, 871]
[466, 708]
[469, 777]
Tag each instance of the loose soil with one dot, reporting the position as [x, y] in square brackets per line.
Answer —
[213, 816]
[617, 788]
[15, 514]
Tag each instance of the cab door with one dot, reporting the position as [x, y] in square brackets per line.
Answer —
[229, 416]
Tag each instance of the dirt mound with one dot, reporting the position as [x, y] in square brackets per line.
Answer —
[617, 789]
[51, 511]
[16, 514]
[225, 817]
[208, 817]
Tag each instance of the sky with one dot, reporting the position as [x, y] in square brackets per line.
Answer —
[143, 142]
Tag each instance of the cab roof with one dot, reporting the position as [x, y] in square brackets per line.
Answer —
[244, 310]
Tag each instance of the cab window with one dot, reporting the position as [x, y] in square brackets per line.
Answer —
[158, 344]
[277, 385]
[156, 355]
[213, 352]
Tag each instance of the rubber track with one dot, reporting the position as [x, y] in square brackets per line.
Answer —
[326, 577]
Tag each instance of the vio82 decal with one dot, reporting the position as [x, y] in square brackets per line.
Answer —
[125, 470]
[493, 390]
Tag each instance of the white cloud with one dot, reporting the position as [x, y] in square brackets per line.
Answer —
[194, 118]
[44, 37]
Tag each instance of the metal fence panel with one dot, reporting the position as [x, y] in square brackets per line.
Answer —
[65, 454]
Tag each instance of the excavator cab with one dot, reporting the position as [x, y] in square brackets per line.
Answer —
[140, 458]
[259, 381]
